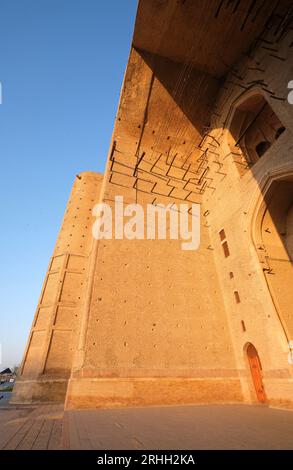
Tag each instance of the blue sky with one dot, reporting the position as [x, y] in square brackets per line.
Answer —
[61, 68]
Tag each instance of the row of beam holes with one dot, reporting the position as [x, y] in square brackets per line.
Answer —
[73, 225]
[125, 344]
[153, 325]
[125, 324]
[224, 243]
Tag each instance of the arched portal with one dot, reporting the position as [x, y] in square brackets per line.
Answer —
[274, 244]
[256, 372]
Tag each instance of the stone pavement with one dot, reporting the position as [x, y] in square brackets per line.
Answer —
[25, 428]
[176, 427]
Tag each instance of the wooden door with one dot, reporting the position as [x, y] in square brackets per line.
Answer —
[255, 368]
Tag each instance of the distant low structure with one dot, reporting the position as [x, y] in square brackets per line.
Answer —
[204, 117]
[7, 376]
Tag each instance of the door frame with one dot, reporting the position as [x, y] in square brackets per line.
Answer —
[257, 397]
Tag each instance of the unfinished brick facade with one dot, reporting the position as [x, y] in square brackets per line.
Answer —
[204, 118]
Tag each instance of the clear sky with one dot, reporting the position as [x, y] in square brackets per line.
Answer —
[61, 68]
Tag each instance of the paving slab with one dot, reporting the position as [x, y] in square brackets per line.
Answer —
[182, 427]
[151, 428]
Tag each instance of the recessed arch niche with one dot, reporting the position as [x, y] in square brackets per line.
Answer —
[254, 127]
[273, 237]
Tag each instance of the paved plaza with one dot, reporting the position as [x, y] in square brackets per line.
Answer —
[176, 427]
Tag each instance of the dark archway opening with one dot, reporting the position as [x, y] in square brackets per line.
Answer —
[253, 130]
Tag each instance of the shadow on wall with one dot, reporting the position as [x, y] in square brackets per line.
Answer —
[254, 129]
[193, 90]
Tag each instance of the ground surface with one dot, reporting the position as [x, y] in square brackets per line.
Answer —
[182, 427]
[4, 398]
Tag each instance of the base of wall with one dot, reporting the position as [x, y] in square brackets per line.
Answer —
[279, 393]
[39, 391]
[120, 392]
